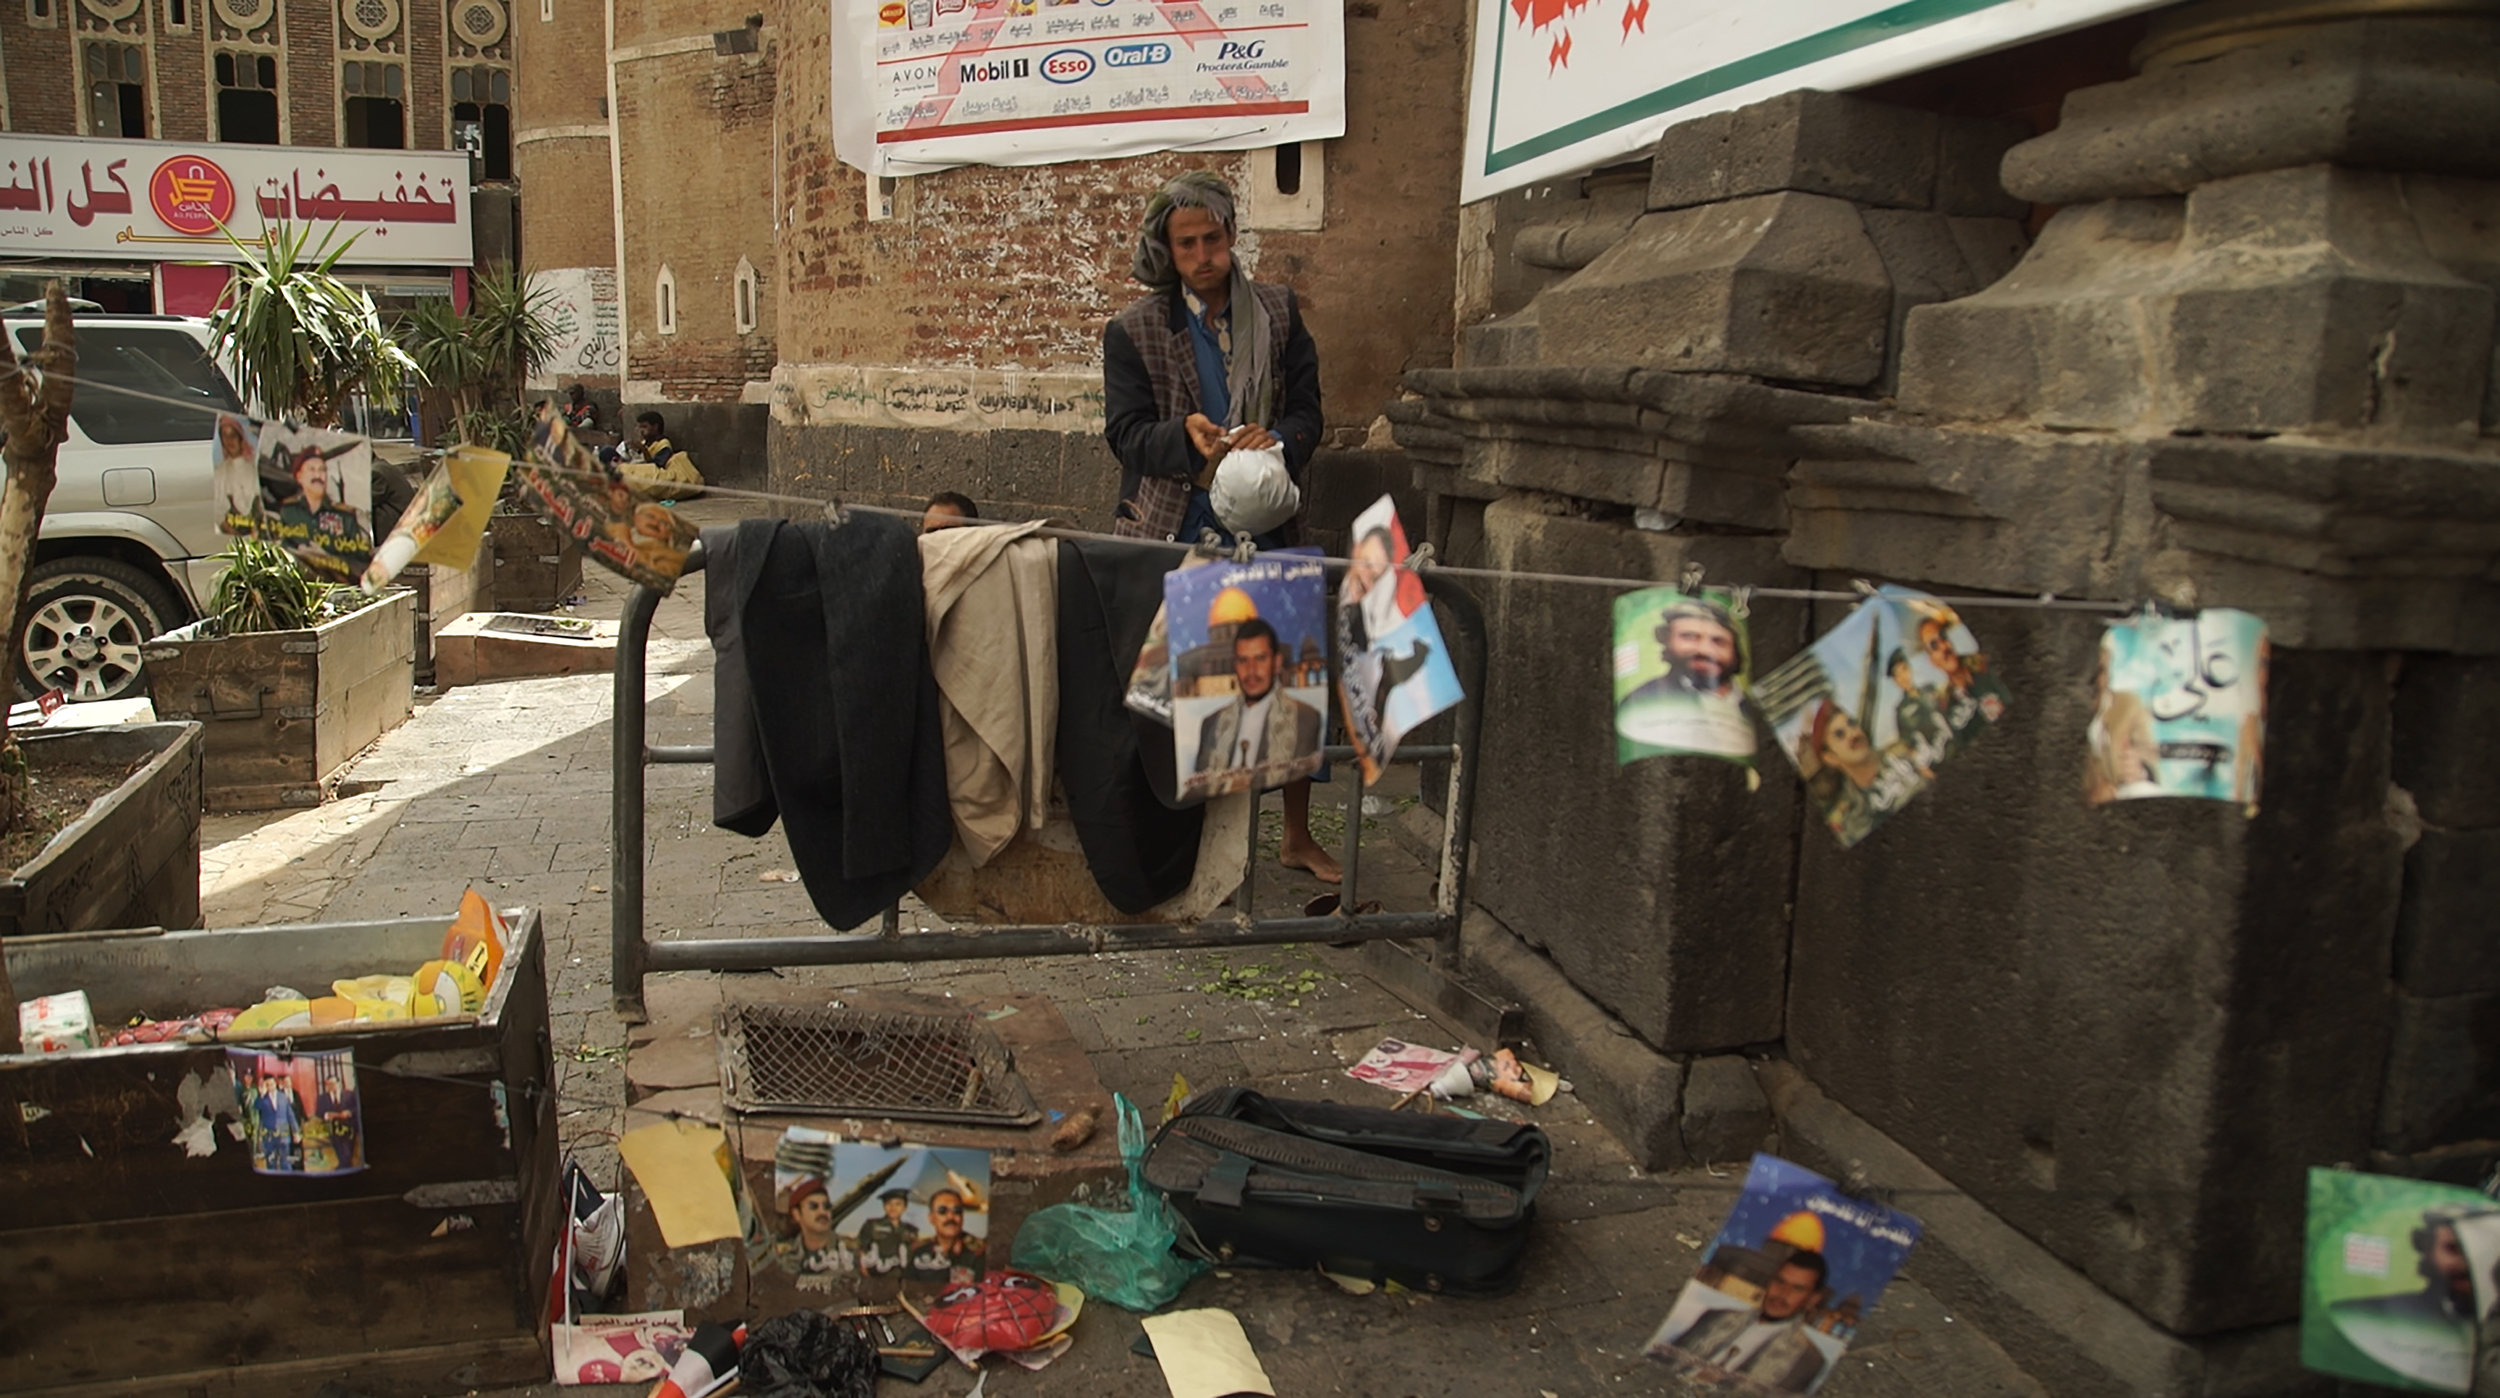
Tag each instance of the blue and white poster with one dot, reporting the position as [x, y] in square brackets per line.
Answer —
[1793, 1274]
[1249, 648]
[1395, 671]
[2180, 709]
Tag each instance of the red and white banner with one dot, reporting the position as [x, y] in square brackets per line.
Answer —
[164, 201]
[922, 85]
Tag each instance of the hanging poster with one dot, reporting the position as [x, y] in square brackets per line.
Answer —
[1395, 671]
[308, 490]
[1249, 673]
[638, 537]
[301, 1111]
[1795, 1270]
[1876, 704]
[922, 85]
[2389, 1295]
[2180, 709]
[1682, 664]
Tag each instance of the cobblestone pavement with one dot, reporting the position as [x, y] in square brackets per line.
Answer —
[506, 785]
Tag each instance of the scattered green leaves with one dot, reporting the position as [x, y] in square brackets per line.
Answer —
[1260, 981]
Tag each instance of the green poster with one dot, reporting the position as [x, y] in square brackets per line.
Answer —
[2388, 1292]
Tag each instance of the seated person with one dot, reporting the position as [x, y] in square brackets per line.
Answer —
[948, 510]
[656, 466]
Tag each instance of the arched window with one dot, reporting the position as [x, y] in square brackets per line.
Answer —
[664, 301]
[745, 298]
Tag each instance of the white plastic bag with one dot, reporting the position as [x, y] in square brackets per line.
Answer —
[1253, 492]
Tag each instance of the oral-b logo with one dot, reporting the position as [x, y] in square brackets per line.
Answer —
[1068, 66]
[1136, 55]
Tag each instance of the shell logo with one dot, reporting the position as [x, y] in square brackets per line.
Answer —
[192, 194]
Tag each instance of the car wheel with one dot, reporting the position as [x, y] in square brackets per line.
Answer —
[82, 626]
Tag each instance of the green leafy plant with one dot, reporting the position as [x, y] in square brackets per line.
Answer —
[480, 361]
[300, 339]
[262, 589]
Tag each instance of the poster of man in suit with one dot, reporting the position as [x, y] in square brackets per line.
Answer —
[1249, 674]
[1792, 1275]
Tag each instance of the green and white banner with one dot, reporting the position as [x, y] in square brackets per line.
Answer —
[1562, 86]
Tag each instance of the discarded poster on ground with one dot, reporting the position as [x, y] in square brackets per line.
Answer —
[308, 490]
[1793, 1274]
[1249, 673]
[2179, 709]
[849, 1212]
[2389, 1295]
[1682, 664]
[446, 522]
[636, 536]
[1874, 706]
[1403, 1067]
[638, 1348]
[1394, 669]
[302, 1114]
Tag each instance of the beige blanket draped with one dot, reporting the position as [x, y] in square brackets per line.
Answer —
[992, 595]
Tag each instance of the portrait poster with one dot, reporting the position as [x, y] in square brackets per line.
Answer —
[2389, 1294]
[1682, 664]
[2179, 709]
[848, 1213]
[1874, 706]
[301, 1111]
[308, 490]
[446, 523]
[1794, 1272]
[628, 532]
[1249, 673]
[1394, 669]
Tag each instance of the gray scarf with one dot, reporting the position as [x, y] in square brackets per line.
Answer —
[1248, 356]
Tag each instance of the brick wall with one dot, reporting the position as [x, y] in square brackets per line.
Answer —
[429, 102]
[696, 129]
[310, 87]
[42, 81]
[181, 94]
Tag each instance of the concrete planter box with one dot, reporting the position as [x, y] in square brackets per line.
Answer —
[537, 564]
[444, 596]
[133, 860]
[285, 710]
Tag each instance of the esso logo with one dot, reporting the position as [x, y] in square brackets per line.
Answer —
[191, 194]
[1068, 66]
[1137, 55]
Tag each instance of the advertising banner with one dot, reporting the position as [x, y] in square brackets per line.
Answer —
[922, 85]
[1562, 86]
[164, 201]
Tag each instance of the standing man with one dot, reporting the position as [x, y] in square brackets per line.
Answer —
[1208, 361]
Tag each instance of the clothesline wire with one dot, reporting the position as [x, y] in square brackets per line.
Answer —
[838, 507]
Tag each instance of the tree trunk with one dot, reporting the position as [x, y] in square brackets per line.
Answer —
[34, 408]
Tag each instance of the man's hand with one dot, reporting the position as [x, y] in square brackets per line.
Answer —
[1210, 440]
[1252, 437]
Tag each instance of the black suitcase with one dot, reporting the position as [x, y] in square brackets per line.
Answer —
[1437, 1203]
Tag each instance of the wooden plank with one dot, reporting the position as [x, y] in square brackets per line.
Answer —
[92, 874]
[421, 1372]
[283, 1285]
[367, 709]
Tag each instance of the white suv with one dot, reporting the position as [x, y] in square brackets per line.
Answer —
[128, 539]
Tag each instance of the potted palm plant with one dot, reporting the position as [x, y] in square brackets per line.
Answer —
[291, 677]
[477, 365]
[100, 828]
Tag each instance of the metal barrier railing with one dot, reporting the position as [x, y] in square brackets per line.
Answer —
[636, 955]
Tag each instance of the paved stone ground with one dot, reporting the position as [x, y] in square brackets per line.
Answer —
[507, 785]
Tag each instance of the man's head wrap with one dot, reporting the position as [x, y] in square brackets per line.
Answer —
[1197, 189]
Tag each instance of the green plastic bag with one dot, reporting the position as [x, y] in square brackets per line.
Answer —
[1119, 1251]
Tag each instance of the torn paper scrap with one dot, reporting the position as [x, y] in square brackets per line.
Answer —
[680, 1166]
[1204, 1354]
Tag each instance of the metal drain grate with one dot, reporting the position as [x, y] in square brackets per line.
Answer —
[800, 1058]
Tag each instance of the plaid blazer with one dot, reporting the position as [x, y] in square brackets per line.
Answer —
[1150, 384]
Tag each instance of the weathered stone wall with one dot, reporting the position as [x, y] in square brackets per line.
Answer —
[2249, 363]
[560, 135]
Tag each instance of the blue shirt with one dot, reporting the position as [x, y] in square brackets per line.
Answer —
[1215, 386]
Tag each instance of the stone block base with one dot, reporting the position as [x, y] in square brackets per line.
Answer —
[484, 646]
